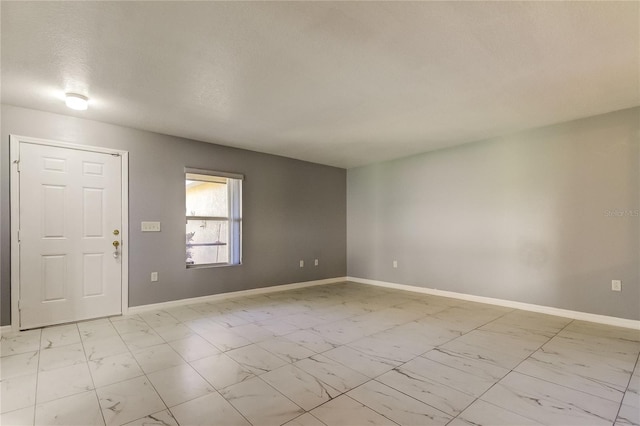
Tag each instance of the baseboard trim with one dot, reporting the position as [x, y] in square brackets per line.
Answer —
[230, 295]
[584, 316]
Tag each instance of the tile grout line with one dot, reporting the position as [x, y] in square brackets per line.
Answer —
[627, 388]
[95, 388]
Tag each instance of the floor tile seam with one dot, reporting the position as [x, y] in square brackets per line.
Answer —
[356, 401]
[627, 389]
[95, 389]
[407, 395]
[511, 371]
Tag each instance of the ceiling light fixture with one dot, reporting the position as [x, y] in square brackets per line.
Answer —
[77, 102]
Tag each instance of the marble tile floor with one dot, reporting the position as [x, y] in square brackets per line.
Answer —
[339, 354]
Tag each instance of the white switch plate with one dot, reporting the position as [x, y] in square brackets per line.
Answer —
[616, 285]
[302, 263]
[395, 263]
[154, 276]
[150, 226]
[316, 262]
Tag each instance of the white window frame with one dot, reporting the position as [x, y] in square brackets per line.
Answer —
[234, 198]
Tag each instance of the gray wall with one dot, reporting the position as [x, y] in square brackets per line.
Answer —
[292, 210]
[522, 217]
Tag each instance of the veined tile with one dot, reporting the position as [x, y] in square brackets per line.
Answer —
[65, 381]
[184, 313]
[224, 339]
[21, 417]
[397, 406]
[448, 376]
[158, 319]
[300, 387]
[485, 414]
[475, 367]
[98, 331]
[179, 384]
[278, 327]
[129, 400]
[344, 410]
[174, 332]
[628, 415]
[81, 410]
[305, 420]
[422, 388]
[311, 341]
[141, 339]
[19, 365]
[62, 356]
[24, 341]
[113, 369]
[340, 332]
[256, 359]
[104, 347]
[59, 335]
[394, 348]
[17, 392]
[369, 365]
[286, 349]
[252, 332]
[157, 358]
[498, 349]
[203, 410]
[432, 332]
[602, 330]
[161, 418]
[260, 403]
[193, 348]
[130, 324]
[221, 371]
[332, 372]
[597, 379]
[549, 403]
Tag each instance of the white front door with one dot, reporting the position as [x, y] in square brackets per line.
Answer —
[70, 210]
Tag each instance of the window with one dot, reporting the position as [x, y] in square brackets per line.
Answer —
[214, 218]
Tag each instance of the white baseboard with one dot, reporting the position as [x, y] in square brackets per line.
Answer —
[584, 316]
[222, 296]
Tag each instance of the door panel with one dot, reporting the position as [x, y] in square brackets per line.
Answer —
[70, 205]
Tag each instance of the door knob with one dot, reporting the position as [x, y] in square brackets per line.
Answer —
[116, 232]
[116, 244]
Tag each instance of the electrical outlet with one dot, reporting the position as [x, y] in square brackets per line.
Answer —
[302, 263]
[316, 262]
[395, 263]
[154, 276]
[616, 285]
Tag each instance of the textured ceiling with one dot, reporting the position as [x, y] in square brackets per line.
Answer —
[343, 84]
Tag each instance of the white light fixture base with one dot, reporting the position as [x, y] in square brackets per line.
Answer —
[76, 101]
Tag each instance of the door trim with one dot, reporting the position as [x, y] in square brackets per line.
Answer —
[14, 148]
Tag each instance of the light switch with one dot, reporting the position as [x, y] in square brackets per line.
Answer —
[150, 226]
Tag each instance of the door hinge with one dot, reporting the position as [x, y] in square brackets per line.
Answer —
[17, 163]
[19, 305]
[18, 236]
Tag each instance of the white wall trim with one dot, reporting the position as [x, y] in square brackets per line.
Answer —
[584, 316]
[14, 149]
[230, 295]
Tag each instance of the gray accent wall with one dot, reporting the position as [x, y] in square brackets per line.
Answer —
[292, 209]
[548, 217]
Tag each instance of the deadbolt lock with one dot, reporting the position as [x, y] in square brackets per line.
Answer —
[116, 244]
[116, 232]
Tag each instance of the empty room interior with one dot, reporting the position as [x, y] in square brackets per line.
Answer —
[320, 213]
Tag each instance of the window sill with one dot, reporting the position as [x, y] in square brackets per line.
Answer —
[213, 265]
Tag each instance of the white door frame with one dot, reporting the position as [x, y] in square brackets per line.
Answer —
[14, 144]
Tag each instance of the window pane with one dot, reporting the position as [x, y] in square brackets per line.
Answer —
[207, 241]
[207, 198]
